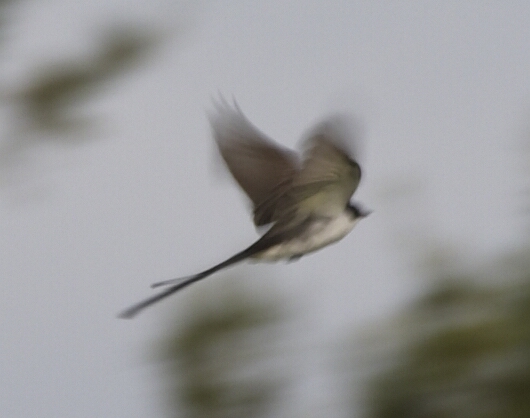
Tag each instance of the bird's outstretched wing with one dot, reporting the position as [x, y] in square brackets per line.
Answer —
[263, 168]
[329, 174]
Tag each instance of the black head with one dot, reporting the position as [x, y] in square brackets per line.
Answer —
[357, 211]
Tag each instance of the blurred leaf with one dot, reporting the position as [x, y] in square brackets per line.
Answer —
[465, 353]
[54, 92]
[121, 48]
[217, 358]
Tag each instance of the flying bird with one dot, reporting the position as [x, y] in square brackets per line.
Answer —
[305, 200]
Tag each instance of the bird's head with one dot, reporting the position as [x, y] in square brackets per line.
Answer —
[358, 211]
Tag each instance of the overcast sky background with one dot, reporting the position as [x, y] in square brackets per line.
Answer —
[443, 93]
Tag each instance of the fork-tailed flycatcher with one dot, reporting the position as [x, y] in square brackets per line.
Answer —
[306, 200]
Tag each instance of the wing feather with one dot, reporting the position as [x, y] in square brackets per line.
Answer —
[329, 175]
[262, 168]
[272, 176]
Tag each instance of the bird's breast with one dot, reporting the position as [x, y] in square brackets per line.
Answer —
[319, 233]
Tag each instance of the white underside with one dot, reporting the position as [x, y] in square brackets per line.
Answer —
[319, 234]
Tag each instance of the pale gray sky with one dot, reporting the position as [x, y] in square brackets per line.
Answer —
[442, 89]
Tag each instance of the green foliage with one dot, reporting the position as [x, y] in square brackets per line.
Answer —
[45, 106]
[465, 352]
[214, 358]
[48, 98]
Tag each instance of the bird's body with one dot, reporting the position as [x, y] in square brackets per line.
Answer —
[319, 232]
[306, 201]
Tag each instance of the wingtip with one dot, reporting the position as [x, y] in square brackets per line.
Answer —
[221, 104]
[343, 130]
[220, 109]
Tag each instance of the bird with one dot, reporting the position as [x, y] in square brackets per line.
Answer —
[304, 199]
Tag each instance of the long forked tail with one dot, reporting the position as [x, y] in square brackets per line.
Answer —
[182, 283]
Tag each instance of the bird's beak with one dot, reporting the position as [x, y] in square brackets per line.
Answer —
[363, 213]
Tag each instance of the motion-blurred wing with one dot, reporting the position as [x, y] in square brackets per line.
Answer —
[263, 169]
[329, 174]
